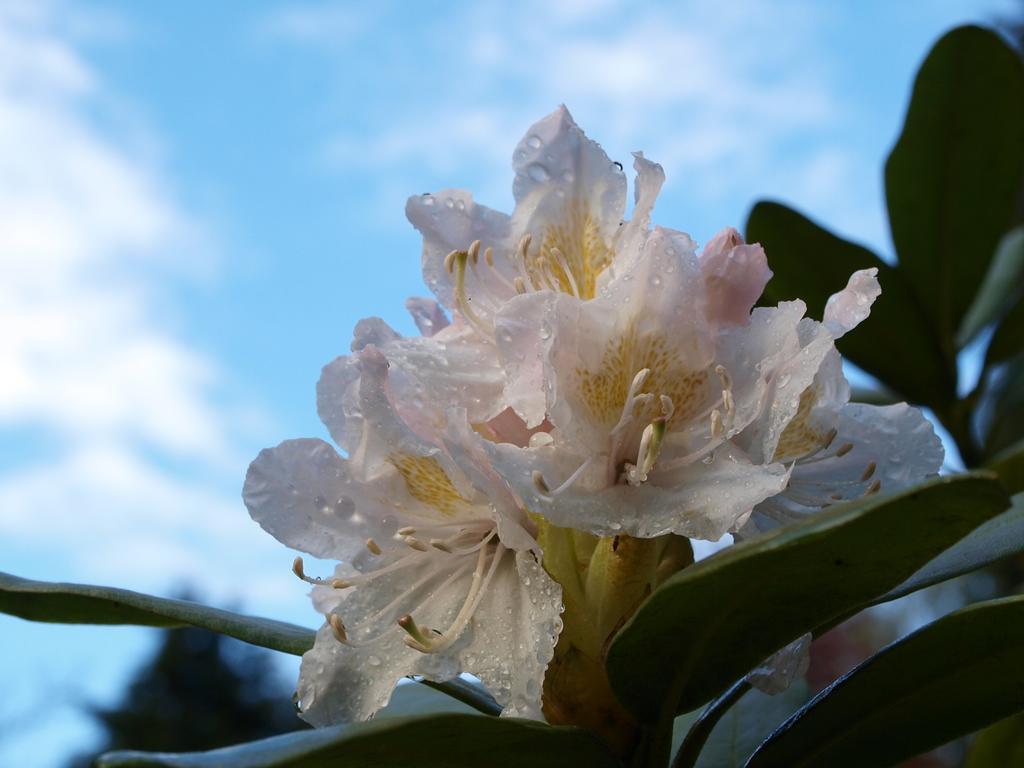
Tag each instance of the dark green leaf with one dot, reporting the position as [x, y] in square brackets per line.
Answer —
[1002, 283]
[1009, 465]
[998, 746]
[1008, 339]
[85, 604]
[441, 741]
[953, 178]
[948, 679]
[1000, 537]
[713, 622]
[811, 263]
[747, 723]
[1004, 408]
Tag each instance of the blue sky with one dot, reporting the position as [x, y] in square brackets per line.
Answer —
[199, 200]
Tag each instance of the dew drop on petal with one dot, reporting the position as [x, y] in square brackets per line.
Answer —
[534, 141]
[544, 331]
[568, 177]
[373, 661]
[538, 172]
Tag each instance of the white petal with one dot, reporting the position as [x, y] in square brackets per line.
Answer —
[649, 179]
[570, 198]
[702, 501]
[337, 401]
[301, 493]
[897, 440]
[449, 221]
[523, 333]
[428, 315]
[851, 306]
[507, 644]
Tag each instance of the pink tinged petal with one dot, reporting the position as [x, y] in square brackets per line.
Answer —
[784, 667]
[735, 275]
[428, 315]
[851, 306]
[302, 494]
[449, 221]
[372, 330]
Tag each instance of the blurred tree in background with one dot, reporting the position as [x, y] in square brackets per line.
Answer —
[199, 691]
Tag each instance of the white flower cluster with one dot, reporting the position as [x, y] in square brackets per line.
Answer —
[595, 374]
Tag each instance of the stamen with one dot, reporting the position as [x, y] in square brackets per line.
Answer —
[844, 449]
[416, 637]
[476, 593]
[414, 543]
[489, 256]
[474, 252]
[869, 470]
[455, 263]
[538, 481]
[337, 627]
[406, 531]
[373, 546]
[874, 487]
[563, 263]
[441, 545]
[520, 285]
[542, 486]
[299, 570]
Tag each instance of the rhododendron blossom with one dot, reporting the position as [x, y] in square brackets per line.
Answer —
[596, 377]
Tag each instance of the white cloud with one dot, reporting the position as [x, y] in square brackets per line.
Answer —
[711, 90]
[140, 483]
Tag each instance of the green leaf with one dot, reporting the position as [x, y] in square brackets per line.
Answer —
[948, 679]
[448, 741]
[999, 745]
[811, 263]
[1008, 339]
[1009, 465]
[953, 177]
[713, 622]
[1002, 283]
[1004, 395]
[748, 722]
[85, 604]
[1000, 537]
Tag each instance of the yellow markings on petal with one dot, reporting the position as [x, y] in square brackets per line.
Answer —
[801, 437]
[604, 392]
[571, 253]
[427, 482]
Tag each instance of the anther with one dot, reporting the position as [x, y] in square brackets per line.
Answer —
[440, 545]
[869, 470]
[340, 584]
[474, 251]
[489, 256]
[844, 449]
[874, 487]
[829, 437]
[416, 639]
[520, 285]
[449, 261]
[337, 628]
[538, 481]
[406, 531]
[373, 546]
[415, 543]
[299, 570]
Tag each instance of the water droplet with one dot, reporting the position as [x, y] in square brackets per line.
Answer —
[534, 141]
[568, 177]
[321, 504]
[538, 172]
[541, 438]
[373, 661]
[449, 203]
[545, 331]
[460, 205]
[655, 280]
